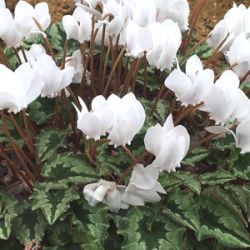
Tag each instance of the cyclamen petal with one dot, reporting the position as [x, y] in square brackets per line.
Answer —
[169, 145]
[25, 15]
[241, 137]
[193, 87]
[18, 89]
[2, 4]
[53, 77]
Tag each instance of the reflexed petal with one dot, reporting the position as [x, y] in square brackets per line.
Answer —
[42, 15]
[153, 139]
[86, 125]
[67, 77]
[243, 136]
[193, 66]
[229, 80]
[179, 83]
[97, 102]
[144, 178]
[169, 123]
[70, 26]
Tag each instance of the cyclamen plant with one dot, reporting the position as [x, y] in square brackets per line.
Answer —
[119, 102]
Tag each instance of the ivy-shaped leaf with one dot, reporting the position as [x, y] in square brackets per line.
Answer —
[183, 208]
[70, 168]
[220, 176]
[220, 220]
[53, 203]
[196, 156]
[49, 141]
[29, 225]
[8, 211]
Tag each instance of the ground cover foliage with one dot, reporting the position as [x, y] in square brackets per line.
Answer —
[207, 200]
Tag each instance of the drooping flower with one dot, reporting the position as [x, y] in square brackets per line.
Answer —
[143, 186]
[18, 89]
[226, 101]
[32, 55]
[191, 88]
[166, 42]
[107, 192]
[76, 62]
[96, 122]
[235, 22]
[122, 118]
[120, 14]
[138, 33]
[176, 10]
[54, 79]
[241, 135]
[129, 118]
[9, 32]
[239, 55]
[78, 26]
[169, 144]
[25, 15]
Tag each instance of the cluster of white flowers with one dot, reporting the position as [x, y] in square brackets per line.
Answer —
[39, 76]
[23, 24]
[142, 187]
[223, 100]
[168, 143]
[232, 35]
[148, 27]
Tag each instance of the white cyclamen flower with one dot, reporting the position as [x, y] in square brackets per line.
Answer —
[138, 33]
[241, 135]
[239, 53]
[143, 186]
[176, 10]
[9, 32]
[122, 118]
[120, 15]
[2, 4]
[76, 62]
[32, 55]
[18, 89]
[78, 26]
[96, 122]
[107, 192]
[129, 117]
[169, 144]
[166, 42]
[54, 79]
[191, 88]
[235, 22]
[226, 101]
[25, 15]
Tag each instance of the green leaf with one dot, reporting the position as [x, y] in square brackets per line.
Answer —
[220, 176]
[183, 209]
[128, 227]
[49, 141]
[41, 110]
[242, 196]
[54, 203]
[29, 225]
[70, 168]
[220, 219]
[8, 211]
[196, 155]
[189, 180]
